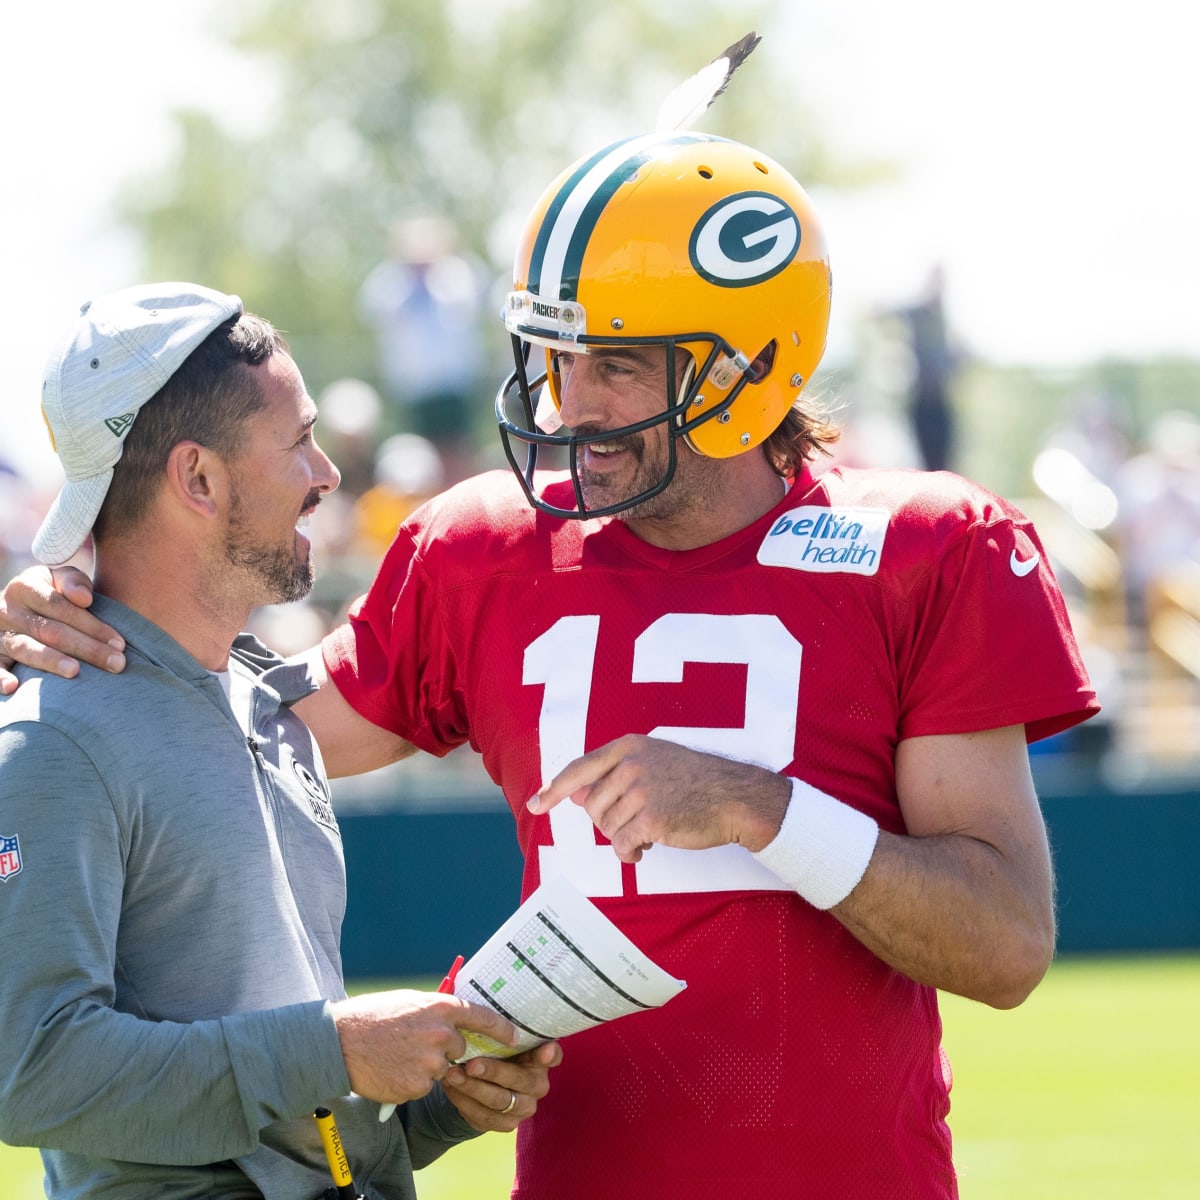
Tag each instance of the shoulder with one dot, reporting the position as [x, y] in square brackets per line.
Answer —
[53, 721]
[483, 520]
[49, 700]
[484, 503]
[900, 527]
[105, 714]
[926, 512]
[936, 500]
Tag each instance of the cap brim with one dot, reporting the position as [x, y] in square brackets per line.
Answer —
[70, 519]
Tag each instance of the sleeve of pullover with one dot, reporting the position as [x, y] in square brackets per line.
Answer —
[431, 1126]
[77, 1075]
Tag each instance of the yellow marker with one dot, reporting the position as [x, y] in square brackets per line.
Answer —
[335, 1155]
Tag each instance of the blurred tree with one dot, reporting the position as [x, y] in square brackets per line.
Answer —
[466, 107]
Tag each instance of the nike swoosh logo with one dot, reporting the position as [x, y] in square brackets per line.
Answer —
[1022, 566]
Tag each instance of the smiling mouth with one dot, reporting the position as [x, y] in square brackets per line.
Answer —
[594, 443]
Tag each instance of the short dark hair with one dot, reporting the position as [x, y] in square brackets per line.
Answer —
[207, 400]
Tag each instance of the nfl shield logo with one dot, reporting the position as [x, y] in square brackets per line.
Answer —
[10, 856]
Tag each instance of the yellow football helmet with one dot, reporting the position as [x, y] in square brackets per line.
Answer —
[683, 240]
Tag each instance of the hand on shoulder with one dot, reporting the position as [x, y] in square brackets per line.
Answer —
[45, 624]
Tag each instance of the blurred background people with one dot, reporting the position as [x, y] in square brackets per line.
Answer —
[1158, 491]
[930, 408]
[423, 303]
[408, 471]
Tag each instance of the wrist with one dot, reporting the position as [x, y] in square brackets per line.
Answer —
[763, 811]
[823, 846]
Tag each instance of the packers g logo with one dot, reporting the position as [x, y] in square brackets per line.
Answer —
[744, 239]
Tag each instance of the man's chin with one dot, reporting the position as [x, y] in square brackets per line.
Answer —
[302, 581]
[600, 492]
[297, 585]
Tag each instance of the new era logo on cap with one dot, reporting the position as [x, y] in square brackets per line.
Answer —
[118, 425]
[115, 356]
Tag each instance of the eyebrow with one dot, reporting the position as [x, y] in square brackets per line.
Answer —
[626, 353]
[304, 425]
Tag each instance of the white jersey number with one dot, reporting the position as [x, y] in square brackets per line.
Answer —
[563, 661]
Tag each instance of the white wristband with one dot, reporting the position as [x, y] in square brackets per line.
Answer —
[822, 848]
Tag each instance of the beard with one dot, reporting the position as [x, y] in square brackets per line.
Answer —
[600, 489]
[275, 568]
[687, 489]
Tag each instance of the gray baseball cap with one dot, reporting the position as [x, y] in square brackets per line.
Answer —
[113, 358]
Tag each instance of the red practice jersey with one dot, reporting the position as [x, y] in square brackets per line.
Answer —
[868, 607]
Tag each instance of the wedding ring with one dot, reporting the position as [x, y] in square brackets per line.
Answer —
[510, 1106]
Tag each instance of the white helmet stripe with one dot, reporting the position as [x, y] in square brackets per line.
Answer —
[574, 212]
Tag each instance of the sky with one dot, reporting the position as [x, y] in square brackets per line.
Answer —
[1048, 152]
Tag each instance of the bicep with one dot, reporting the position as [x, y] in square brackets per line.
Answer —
[350, 744]
[976, 785]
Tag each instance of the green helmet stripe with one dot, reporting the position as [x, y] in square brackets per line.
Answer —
[571, 217]
[552, 214]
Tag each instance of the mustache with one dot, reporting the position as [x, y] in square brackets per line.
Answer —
[596, 433]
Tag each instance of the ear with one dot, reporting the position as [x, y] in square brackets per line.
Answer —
[197, 479]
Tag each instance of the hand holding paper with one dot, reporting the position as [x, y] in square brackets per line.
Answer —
[557, 966]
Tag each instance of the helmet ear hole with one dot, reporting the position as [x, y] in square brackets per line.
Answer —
[687, 379]
[764, 362]
[553, 378]
[549, 400]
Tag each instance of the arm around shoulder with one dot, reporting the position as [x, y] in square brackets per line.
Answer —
[45, 624]
[350, 743]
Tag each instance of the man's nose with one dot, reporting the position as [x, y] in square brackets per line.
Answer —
[574, 393]
[327, 476]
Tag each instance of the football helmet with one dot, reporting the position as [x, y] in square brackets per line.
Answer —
[682, 240]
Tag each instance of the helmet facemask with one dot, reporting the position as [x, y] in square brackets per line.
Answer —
[527, 410]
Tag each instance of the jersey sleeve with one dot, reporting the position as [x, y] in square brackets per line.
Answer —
[993, 643]
[391, 660]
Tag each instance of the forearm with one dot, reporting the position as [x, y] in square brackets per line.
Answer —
[950, 912]
[97, 1082]
[970, 890]
[964, 901]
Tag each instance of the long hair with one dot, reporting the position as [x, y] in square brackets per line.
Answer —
[804, 432]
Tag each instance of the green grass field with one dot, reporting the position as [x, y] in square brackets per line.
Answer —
[1090, 1090]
